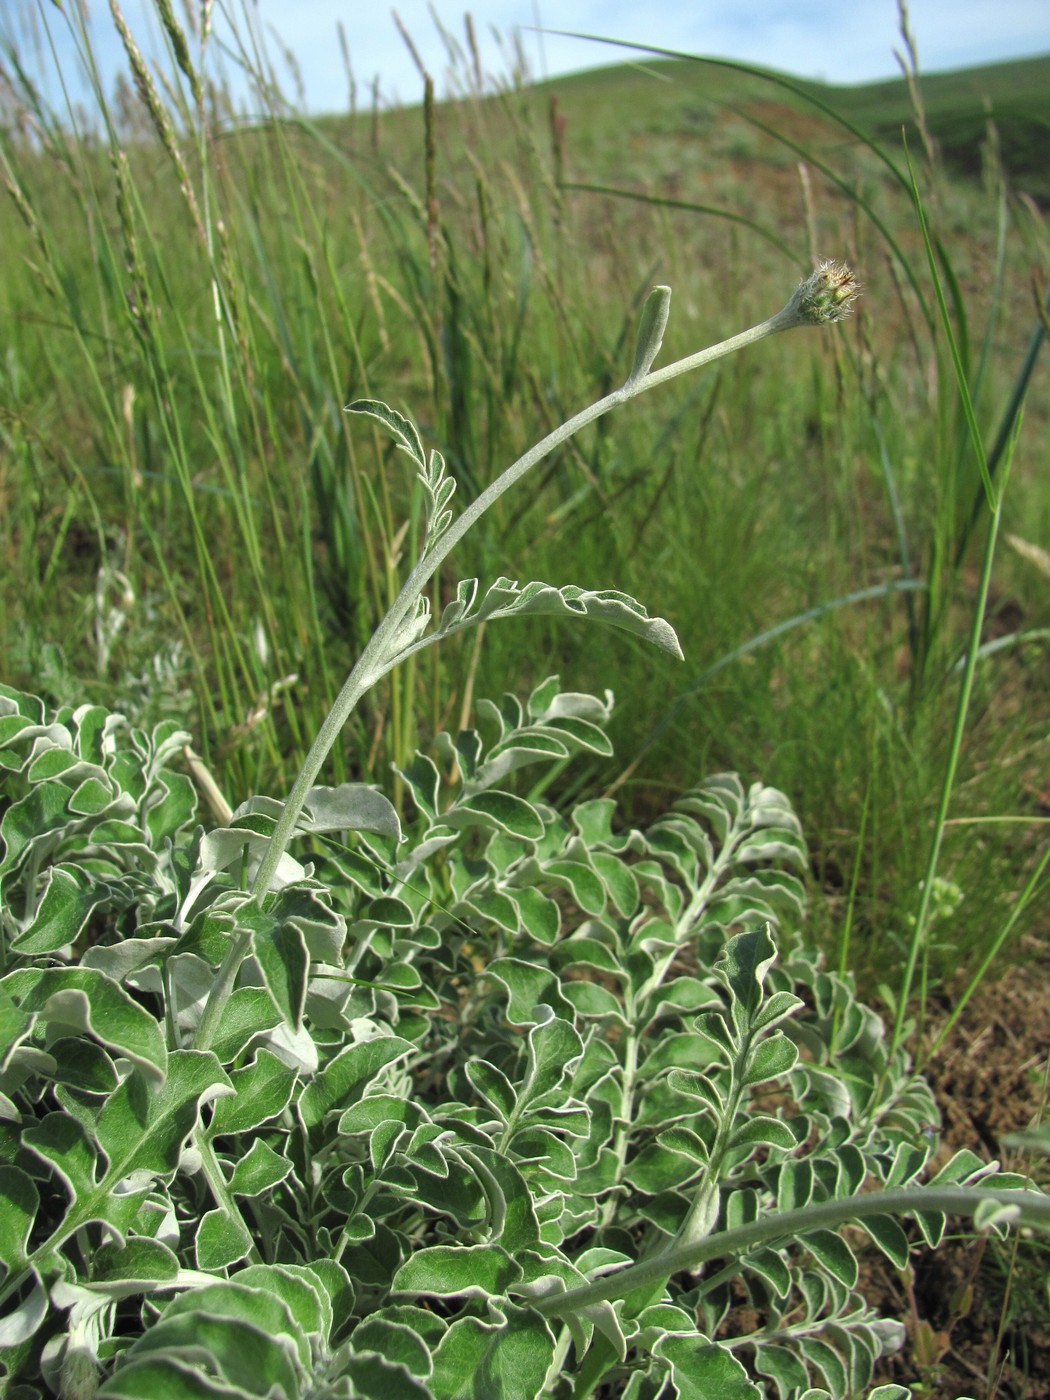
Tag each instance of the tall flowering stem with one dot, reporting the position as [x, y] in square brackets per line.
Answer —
[821, 299]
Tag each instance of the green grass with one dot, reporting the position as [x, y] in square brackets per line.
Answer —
[175, 373]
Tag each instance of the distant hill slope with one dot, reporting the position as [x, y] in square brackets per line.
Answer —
[1014, 97]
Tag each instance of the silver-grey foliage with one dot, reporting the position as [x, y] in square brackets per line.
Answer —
[506, 1101]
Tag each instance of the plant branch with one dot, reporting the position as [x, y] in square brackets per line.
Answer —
[1032, 1208]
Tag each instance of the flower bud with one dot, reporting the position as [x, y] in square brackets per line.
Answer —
[825, 296]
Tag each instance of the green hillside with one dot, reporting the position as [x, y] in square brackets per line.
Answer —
[959, 106]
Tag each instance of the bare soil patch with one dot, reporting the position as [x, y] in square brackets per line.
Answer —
[977, 1309]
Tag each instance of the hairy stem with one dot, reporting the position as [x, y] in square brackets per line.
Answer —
[1032, 1208]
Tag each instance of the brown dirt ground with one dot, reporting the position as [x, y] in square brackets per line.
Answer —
[977, 1309]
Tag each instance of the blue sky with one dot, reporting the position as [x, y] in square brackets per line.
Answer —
[808, 38]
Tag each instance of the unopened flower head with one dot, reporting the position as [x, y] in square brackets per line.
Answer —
[825, 296]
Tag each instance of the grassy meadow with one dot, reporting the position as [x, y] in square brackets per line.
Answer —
[194, 528]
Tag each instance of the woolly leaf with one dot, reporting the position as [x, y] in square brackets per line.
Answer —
[70, 896]
[529, 986]
[375, 1378]
[506, 598]
[248, 1335]
[507, 1360]
[261, 1091]
[890, 1238]
[783, 1367]
[222, 1240]
[168, 1377]
[701, 1369]
[744, 964]
[19, 1201]
[584, 885]
[348, 1077]
[280, 951]
[540, 917]
[84, 1000]
[497, 811]
[249, 1012]
[770, 1059]
[137, 1266]
[140, 1129]
[834, 1253]
[828, 1362]
[445, 1271]
[402, 429]
[768, 1265]
[494, 1087]
[554, 1048]
[349, 807]
[302, 1292]
[651, 327]
[763, 1131]
[259, 1171]
[396, 1341]
[658, 1168]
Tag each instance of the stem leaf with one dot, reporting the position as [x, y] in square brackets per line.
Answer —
[402, 429]
[651, 329]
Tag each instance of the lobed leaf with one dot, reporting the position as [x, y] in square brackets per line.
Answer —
[700, 1369]
[507, 598]
[349, 1076]
[507, 1360]
[445, 1271]
[261, 1091]
[402, 429]
[19, 1202]
[87, 1001]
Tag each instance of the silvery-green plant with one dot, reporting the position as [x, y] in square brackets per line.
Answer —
[823, 298]
[492, 1101]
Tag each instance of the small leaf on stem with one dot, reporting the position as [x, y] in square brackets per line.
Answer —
[651, 329]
